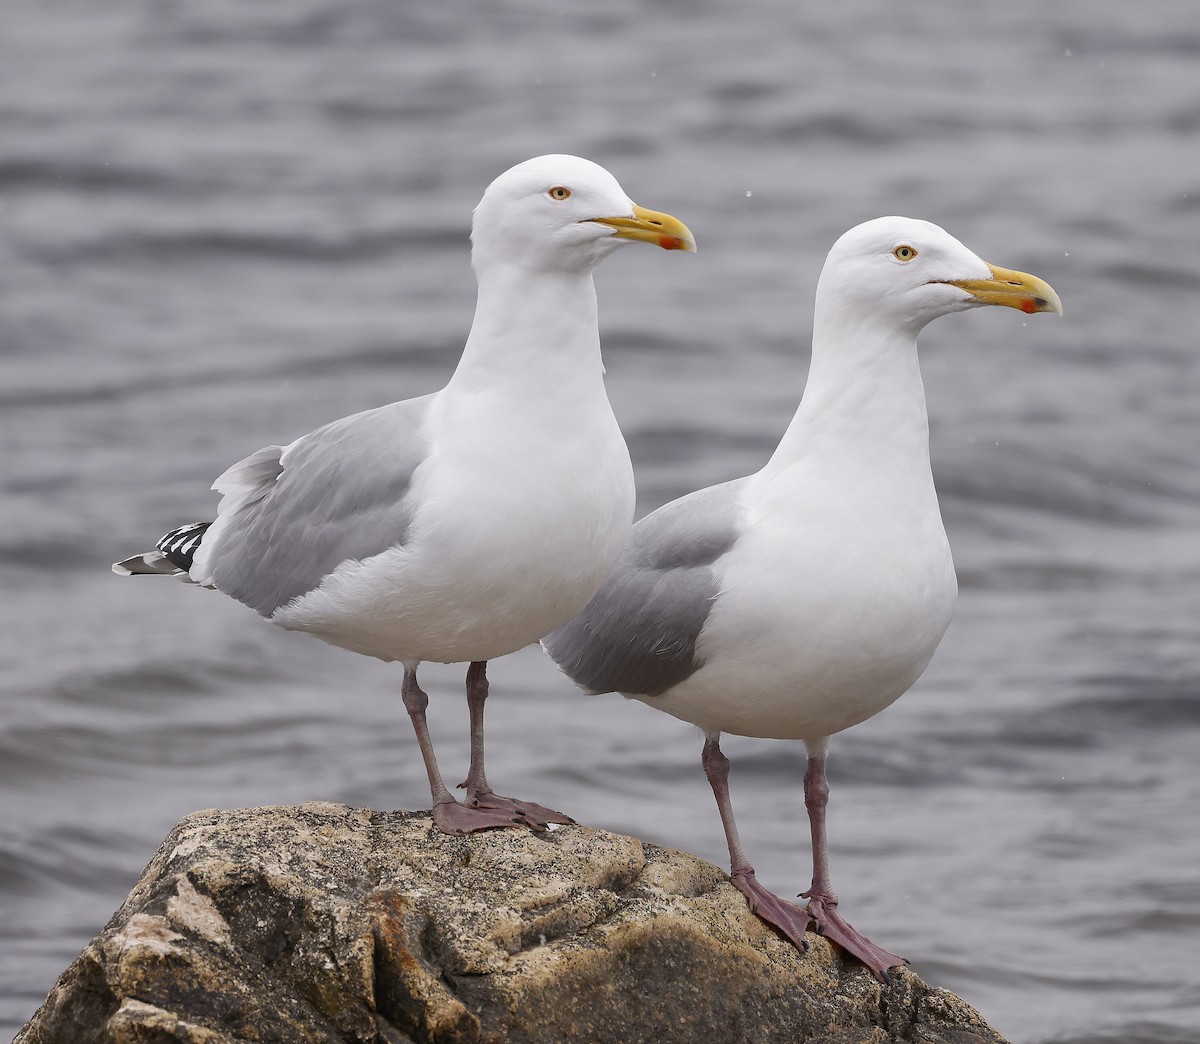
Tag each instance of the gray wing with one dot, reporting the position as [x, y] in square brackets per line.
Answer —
[638, 633]
[291, 516]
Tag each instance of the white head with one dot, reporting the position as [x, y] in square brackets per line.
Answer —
[908, 272]
[564, 213]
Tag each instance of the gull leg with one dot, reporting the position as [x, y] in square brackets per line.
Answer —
[479, 792]
[448, 815]
[822, 901]
[790, 920]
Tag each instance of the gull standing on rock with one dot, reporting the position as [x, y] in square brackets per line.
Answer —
[807, 597]
[465, 524]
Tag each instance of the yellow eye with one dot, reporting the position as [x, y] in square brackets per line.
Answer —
[904, 252]
[560, 192]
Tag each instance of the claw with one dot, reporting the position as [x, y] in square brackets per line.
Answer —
[451, 817]
[829, 923]
[790, 920]
[535, 816]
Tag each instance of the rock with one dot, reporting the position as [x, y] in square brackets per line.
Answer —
[326, 923]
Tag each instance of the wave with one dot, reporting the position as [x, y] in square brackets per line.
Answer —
[199, 243]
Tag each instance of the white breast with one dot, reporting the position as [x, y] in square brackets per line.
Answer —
[517, 525]
[831, 604]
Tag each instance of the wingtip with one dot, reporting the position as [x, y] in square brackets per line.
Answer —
[149, 563]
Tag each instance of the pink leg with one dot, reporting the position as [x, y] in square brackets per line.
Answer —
[790, 920]
[448, 815]
[479, 792]
[822, 901]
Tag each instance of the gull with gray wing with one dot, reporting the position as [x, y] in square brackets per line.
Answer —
[466, 524]
[801, 600]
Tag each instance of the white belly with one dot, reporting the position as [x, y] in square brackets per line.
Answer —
[819, 625]
[510, 540]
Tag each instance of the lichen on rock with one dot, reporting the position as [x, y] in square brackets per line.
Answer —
[326, 923]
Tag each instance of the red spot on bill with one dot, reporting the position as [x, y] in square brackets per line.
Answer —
[1029, 306]
[670, 243]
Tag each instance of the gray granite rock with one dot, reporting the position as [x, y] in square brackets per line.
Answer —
[326, 923]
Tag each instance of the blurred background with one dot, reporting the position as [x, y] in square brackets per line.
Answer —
[222, 225]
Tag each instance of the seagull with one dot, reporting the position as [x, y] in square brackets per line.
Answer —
[803, 599]
[465, 524]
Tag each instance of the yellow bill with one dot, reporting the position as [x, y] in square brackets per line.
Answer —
[649, 226]
[1013, 290]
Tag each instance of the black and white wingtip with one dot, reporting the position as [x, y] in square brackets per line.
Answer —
[173, 556]
[179, 546]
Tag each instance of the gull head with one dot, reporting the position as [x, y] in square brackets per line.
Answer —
[909, 272]
[564, 213]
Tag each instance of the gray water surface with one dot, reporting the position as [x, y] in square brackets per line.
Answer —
[224, 224]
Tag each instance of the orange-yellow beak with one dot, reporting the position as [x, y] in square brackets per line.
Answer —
[1013, 290]
[649, 226]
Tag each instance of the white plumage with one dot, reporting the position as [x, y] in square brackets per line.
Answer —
[466, 524]
[803, 599]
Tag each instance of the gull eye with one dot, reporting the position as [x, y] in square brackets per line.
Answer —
[904, 252]
[559, 192]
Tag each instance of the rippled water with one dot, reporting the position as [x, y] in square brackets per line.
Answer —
[222, 225]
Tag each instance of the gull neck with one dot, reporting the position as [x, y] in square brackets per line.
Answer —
[536, 329]
[864, 400]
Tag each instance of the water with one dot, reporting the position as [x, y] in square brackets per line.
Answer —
[223, 226]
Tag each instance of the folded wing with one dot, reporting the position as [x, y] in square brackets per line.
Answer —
[290, 516]
[638, 634]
